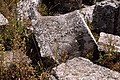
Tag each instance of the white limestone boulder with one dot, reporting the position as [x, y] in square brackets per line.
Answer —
[82, 69]
[61, 35]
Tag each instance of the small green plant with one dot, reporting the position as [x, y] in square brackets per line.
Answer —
[48, 8]
[44, 10]
[109, 58]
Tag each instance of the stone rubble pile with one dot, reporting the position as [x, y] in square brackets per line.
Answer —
[69, 36]
[65, 33]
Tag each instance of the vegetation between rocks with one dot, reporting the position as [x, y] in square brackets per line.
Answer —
[109, 59]
[13, 38]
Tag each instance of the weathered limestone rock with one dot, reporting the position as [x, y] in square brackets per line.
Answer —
[63, 35]
[27, 9]
[105, 16]
[3, 20]
[109, 42]
[83, 69]
[88, 13]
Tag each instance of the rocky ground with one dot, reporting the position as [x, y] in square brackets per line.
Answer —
[66, 32]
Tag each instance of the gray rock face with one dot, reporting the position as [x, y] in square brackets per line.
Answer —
[105, 16]
[64, 35]
[3, 20]
[109, 42]
[83, 69]
[27, 9]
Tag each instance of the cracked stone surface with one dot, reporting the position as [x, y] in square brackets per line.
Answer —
[83, 69]
[61, 35]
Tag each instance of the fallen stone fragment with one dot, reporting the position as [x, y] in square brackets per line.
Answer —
[3, 20]
[109, 42]
[105, 16]
[83, 69]
[64, 35]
